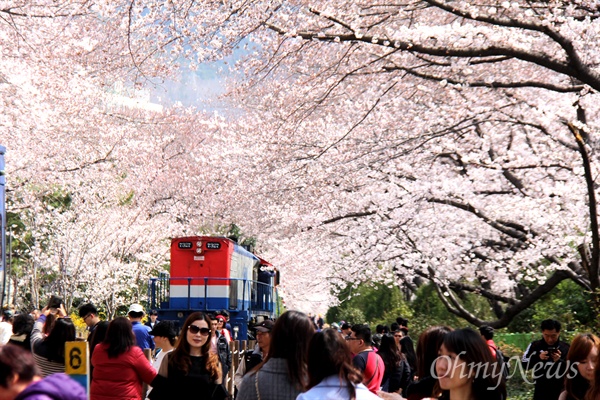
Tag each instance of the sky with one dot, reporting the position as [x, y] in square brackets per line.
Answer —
[192, 88]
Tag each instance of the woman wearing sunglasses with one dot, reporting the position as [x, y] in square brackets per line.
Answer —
[221, 327]
[191, 370]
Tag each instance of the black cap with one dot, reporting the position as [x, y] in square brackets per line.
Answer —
[153, 312]
[264, 326]
[486, 330]
[164, 329]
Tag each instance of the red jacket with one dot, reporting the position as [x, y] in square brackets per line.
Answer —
[120, 377]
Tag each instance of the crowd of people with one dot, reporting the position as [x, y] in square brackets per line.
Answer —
[297, 356]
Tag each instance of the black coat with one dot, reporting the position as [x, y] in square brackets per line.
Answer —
[549, 376]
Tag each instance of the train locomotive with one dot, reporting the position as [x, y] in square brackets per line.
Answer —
[212, 274]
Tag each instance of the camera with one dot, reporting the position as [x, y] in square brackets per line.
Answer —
[54, 302]
[552, 349]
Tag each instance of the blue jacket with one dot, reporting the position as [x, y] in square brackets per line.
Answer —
[142, 336]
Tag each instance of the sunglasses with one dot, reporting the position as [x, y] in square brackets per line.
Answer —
[194, 329]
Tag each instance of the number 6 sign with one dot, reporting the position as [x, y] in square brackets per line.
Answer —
[77, 364]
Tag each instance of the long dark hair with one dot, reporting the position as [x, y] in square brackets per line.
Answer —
[329, 354]
[389, 353]
[50, 320]
[427, 349]
[63, 331]
[181, 354]
[119, 337]
[290, 337]
[487, 382]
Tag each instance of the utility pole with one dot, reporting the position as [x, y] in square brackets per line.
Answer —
[3, 227]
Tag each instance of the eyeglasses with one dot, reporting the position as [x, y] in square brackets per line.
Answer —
[348, 338]
[86, 317]
[397, 335]
[194, 329]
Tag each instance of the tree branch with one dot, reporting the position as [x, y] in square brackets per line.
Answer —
[541, 59]
[454, 306]
[491, 85]
[482, 292]
[583, 72]
[513, 229]
[88, 164]
[592, 205]
[350, 215]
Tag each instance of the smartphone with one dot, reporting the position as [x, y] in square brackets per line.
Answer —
[552, 350]
[54, 302]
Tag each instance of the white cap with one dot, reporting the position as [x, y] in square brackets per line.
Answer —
[137, 308]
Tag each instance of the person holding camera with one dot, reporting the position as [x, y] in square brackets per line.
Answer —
[547, 358]
[49, 351]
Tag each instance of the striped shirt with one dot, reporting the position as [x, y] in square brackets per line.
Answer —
[40, 351]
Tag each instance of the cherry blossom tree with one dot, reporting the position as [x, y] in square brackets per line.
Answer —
[98, 176]
[447, 141]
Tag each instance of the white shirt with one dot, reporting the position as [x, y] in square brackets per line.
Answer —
[330, 388]
[159, 358]
[5, 332]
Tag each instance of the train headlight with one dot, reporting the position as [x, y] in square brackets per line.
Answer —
[199, 247]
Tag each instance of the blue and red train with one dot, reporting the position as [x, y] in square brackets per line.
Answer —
[212, 274]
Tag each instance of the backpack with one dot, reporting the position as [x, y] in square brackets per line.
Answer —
[252, 360]
[502, 363]
[223, 350]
